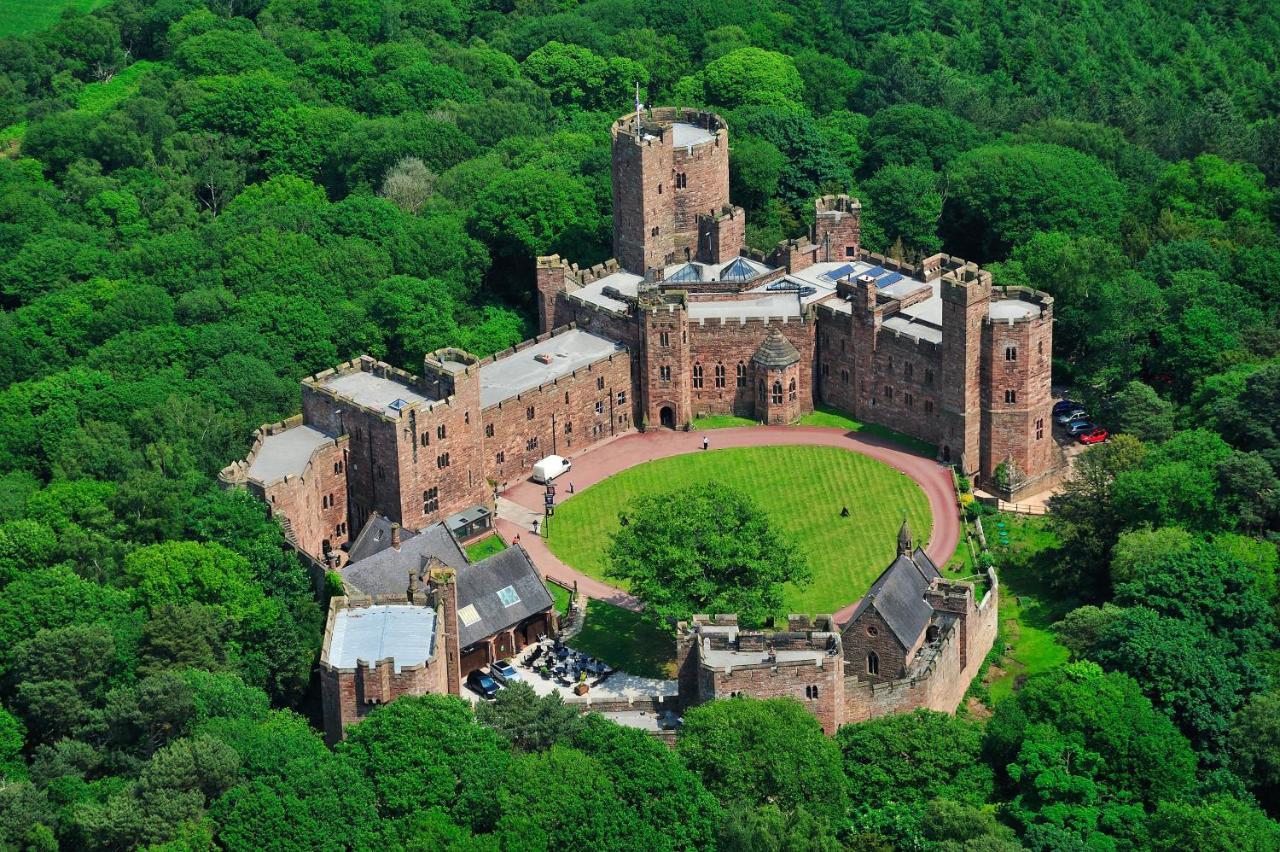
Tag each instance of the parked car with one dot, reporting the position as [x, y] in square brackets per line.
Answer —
[549, 468]
[1093, 436]
[481, 684]
[1074, 414]
[1062, 406]
[504, 672]
[1077, 427]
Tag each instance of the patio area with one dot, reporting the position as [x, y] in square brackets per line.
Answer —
[567, 668]
[549, 666]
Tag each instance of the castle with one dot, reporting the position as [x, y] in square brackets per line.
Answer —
[914, 640]
[683, 323]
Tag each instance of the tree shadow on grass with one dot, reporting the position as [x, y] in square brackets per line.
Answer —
[626, 641]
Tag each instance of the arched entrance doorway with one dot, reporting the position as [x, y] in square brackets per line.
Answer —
[667, 417]
[946, 455]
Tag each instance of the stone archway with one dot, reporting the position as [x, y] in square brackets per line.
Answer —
[667, 417]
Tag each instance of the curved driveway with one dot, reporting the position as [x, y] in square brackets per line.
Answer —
[604, 460]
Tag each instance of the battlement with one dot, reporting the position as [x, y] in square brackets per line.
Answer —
[722, 646]
[1016, 304]
[416, 640]
[836, 205]
[575, 275]
[660, 125]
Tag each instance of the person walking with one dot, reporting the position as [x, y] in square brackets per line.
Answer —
[570, 487]
[705, 442]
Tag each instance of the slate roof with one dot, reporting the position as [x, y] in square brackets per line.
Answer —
[776, 351]
[479, 586]
[386, 571]
[898, 595]
[374, 537]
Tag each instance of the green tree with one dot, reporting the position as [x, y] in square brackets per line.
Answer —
[1000, 195]
[1143, 758]
[430, 752]
[1218, 825]
[527, 720]
[650, 778]
[702, 549]
[751, 752]
[1255, 747]
[1085, 519]
[750, 75]
[903, 206]
[1139, 411]
[914, 757]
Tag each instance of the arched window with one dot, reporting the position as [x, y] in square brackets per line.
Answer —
[697, 375]
[742, 375]
[719, 375]
[873, 663]
[777, 393]
[791, 391]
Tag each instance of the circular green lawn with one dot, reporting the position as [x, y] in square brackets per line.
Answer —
[801, 488]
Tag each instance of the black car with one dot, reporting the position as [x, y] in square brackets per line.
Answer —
[1062, 406]
[481, 684]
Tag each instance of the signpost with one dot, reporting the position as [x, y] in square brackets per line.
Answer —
[549, 506]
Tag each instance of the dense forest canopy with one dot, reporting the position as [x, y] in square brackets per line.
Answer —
[202, 201]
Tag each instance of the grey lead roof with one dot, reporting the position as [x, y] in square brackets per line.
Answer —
[285, 453]
[898, 595]
[522, 371]
[479, 585]
[402, 632]
[386, 571]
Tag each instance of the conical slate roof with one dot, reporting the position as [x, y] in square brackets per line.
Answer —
[776, 351]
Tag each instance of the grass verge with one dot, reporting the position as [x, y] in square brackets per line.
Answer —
[562, 597]
[720, 421]
[1027, 606]
[624, 640]
[485, 548]
[802, 488]
[825, 415]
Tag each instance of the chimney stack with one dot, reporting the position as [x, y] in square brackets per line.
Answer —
[412, 592]
[395, 536]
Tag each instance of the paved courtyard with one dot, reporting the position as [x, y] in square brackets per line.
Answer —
[617, 686]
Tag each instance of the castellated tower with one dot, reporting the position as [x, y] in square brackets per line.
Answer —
[665, 394]
[1016, 395]
[837, 227]
[442, 470]
[966, 297]
[670, 166]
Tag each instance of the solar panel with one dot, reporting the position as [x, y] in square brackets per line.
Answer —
[837, 274]
[875, 271]
[894, 278]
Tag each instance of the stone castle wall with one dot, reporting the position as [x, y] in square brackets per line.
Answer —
[562, 417]
[943, 683]
[350, 694]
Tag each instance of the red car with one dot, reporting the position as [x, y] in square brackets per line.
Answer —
[1093, 436]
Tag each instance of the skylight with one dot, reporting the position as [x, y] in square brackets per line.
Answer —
[468, 615]
[508, 596]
